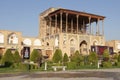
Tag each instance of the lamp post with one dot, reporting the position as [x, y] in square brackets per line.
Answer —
[45, 59]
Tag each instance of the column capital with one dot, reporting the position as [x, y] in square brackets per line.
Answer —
[89, 17]
[77, 16]
[55, 15]
[61, 13]
[98, 19]
[66, 14]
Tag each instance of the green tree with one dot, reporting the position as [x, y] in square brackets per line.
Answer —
[0, 56]
[65, 58]
[36, 56]
[118, 58]
[17, 58]
[106, 59]
[8, 58]
[114, 59]
[93, 58]
[106, 55]
[57, 57]
[1, 52]
[77, 57]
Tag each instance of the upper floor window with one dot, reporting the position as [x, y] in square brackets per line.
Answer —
[27, 42]
[37, 42]
[1, 38]
[13, 39]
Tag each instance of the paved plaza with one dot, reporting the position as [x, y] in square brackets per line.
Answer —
[95, 74]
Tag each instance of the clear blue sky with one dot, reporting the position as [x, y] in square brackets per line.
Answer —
[22, 15]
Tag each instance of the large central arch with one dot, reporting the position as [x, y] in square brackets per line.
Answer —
[83, 47]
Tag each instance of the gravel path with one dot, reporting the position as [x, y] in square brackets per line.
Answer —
[96, 74]
[21, 78]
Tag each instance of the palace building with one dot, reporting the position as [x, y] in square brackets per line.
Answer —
[68, 30]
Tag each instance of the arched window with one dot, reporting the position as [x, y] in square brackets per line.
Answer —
[56, 41]
[1, 38]
[13, 39]
[37, 42]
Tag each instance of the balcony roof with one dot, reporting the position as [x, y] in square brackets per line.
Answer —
[73, 12]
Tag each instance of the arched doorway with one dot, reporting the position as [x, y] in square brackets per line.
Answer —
[83, 48]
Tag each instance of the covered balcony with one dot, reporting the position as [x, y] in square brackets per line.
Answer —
[74, 22]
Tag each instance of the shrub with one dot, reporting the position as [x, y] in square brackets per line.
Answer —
[71, 65]
[8, 58]
[82, 64]
[114, 59]
[36, 56]
[93, 59]
[86, 62]
[106, 55]
[118, 58]
[0, 56]
[107, 64]
[57, 57]
[65, 58]
[118, 64]
[23, 66]
[77, 57]
[17, 58]
[49, 63]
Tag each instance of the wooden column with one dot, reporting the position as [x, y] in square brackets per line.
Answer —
[50, 27]
[71, 25]
[103, 27]
[66, 22]
[92, 27]
[56, 23]
[83, 26]
[46, 26]
[98, 26]
[61, 22]
[77, 23]
[89, 25]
